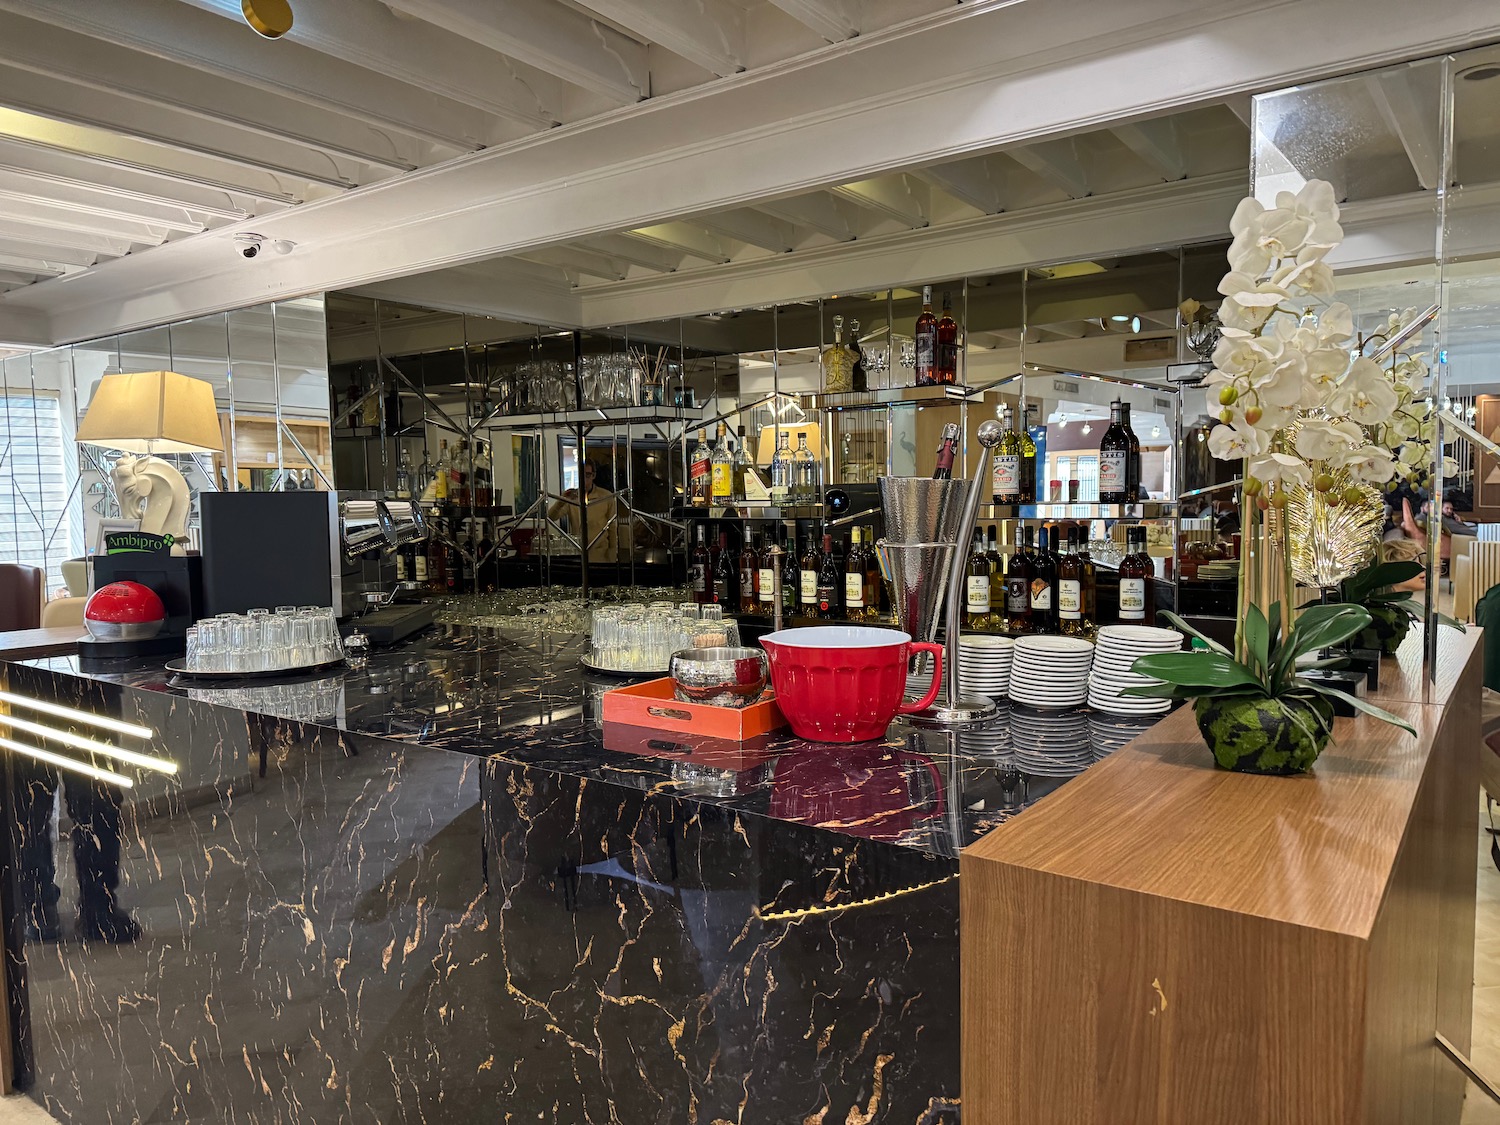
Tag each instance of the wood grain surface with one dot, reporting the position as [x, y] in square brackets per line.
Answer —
[33, 644]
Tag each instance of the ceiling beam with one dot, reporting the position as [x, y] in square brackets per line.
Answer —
[62, 217]
[17, 256]
[97, 207]
[1056, 162]
[834, 20]
[1403, 112]
[899, 197]
[11, 277]
[635, 251]
[574, 260]
[54, 239]
[389, 96]
[710, 33]
[689, 239]
[968, 181]
[1157, 143]
[751, 228]
[816, 210]
[552, 37]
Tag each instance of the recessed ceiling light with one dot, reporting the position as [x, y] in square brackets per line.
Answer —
[1120, 318]
[1481, 73]
[270, 19]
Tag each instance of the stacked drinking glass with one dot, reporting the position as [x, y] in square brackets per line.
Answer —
[262, 641]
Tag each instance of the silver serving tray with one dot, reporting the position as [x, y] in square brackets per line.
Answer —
[626, 673]
[180, 668]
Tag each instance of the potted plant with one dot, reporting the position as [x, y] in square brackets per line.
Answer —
[1392, 611]
[1257, 715]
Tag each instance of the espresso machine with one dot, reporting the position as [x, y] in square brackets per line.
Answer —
[372, 529]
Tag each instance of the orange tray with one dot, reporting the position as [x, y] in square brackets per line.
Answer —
[652, 704]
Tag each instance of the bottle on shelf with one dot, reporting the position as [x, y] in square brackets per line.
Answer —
[742, 467]
[783, 474]
[855, 608]
[458, 475]
[1086, 576]
[726, 574]
[437, 559]
[838, 362]
[859, 378]
[700, 568]
[402, 574]
[1114, 457]
[1136, 570]
[416, 563]
[468, 553]
[442, 471]
[1028, 458]
[805, 483]
[977, 588]
[1133, 457]
[403, 475]
[946, 361]
[700, 474]
[875, 599]
[1043, 585]
[482, 493]
[791, 574]
[749, 573]
[486, 565]
[807, 579]
[997, 576]
[424, 475]
[991, 553]
[765, 579]
[1018, 586]
[1070, 590]
[1007, 473]
[946, 452]
[924, 334]
[721, 470]
[830, 580]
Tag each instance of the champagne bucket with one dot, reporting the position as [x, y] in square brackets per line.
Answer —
[918, 574]
[920, 510]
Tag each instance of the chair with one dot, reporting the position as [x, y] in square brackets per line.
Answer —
[20, 597]
[62, 612]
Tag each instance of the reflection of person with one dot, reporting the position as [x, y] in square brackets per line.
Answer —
[95, 810]
[604, 528]
[1226, 518]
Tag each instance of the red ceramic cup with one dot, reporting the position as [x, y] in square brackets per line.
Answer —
[843, 683]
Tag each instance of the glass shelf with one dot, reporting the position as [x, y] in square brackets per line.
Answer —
[854, 400]
[750, 511]
[1146, 509]
[598, 416]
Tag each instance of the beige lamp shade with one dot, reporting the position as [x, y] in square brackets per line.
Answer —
[152, 412]
[766, 447]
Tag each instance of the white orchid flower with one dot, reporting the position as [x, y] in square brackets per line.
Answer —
[1250, 291]
[1281, 383]
[1320, 439]
[1234, 442]
[1336, 324]
[1368, 463]
[1365, 394]
[1313, 277]
[1280, 468]
[1236, 356]
[1316, 205]
[1237, 317]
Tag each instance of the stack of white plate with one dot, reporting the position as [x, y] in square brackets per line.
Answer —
[1108, 733]
[989, 740]
[1050, 672]
[984, 664]
[1228, 568]
[1118, 648]
[1051, 743]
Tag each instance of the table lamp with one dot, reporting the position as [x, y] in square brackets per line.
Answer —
[151, 412]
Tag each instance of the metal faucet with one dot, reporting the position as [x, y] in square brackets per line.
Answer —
[777, 554]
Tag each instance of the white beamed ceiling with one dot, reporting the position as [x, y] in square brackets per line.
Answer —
[587, 161]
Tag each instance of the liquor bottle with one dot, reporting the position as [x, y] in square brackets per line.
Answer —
[947, 344]
[791, 574]
[859, 378]
[458, 475]
[977, 588]
[805, 481]
[726, 574]
[925, 335]
[1007, 480]
[483, 493]
[700, 474]
[468, 552]
[1133, 459]
[721, 470]
[401, 570]
[1044, 585]
[444, 467]
[1018, 587]
[990, 552]
[1114, 457]
[424, 474]
[782, 475]
[742, 466]
[416, 564]
[700, 565]
[1070, 589]
[875, 598]
[997, 576]
[1086, 575]
[437, 559]
[1136, 594]
[749, 573]
[403, 475]
[946, 452]
[765, 579]
[1028, 459]
[838, 362]
[830, 580]
[807, 579]
[855, 608]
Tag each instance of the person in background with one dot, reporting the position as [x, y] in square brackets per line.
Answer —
[1226, 518]
[604, 511]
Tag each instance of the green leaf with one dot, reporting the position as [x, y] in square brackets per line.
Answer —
[1196, 669]
[1318, 627]
[1257, 640]
[1179, 624]
[1273, 622]
[1162, 691]
[1359, 586]
[1368, 708]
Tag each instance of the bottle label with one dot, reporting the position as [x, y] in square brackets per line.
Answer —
[1015, 596]
[808, 580]
[400, 568]
[699, 579]
[1070, 599]
[926, 354]
[747, 582]
[826, 598]
[1008, 477]
[1132, 599]
[854, 591]
[698, 477]
[723, 482]
[1041, 594]
[766, 587]
[1111, 471]
[978, 600]
[440, 486]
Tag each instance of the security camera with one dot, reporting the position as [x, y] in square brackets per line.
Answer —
[249, 244]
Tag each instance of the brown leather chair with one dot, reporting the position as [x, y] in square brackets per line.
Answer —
[20, 597]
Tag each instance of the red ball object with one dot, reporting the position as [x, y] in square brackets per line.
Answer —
[124, 611]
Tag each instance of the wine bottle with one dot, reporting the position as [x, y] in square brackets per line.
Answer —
[1133, 457]
[1136, 594]
[700, 473]
[1018, 586]
[830, 580]
[946, 452]
[742, 467]
[700, 565]
[1070, 588]
[749, 572]
[855, 608]
[1114, 457]
[977, 588]
[791, 574]
[807, 579]
[875, 598]
[1008, 462]
[765, 580]
[925, 336]
[997, 575]
[1027, 485]
[947, 344]
[726, 574]
[1043, 585]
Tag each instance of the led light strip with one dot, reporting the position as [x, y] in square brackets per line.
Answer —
[64, 762]
[766, 915]
[144, 761]
[87, 717]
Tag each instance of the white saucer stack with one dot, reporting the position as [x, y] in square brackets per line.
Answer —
[1051, 743]
[984, 664]
[1050, 672]
[1118, 648]
[1108, 733]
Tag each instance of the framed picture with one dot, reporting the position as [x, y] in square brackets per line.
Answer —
[109, 527]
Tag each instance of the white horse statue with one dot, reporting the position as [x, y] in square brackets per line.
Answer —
[150, 489]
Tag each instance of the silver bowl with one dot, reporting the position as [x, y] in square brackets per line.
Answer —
[719, 677]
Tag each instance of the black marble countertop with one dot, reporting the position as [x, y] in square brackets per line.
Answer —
[525, 698]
